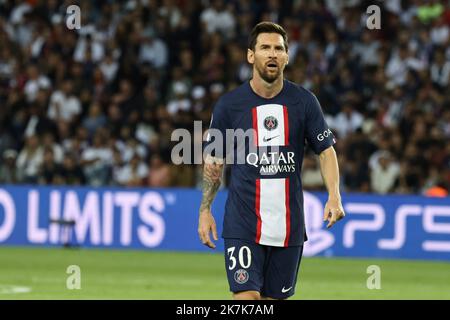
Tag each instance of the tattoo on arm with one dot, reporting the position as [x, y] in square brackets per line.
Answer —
[212, 174]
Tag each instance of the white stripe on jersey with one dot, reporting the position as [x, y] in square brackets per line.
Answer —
[273, 212]
[274, 137]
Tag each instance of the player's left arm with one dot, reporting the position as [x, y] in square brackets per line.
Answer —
[329, 169]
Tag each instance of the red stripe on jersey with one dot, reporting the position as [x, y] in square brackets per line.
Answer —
[257, 202]
[255, 125]
[288, 213]
[286, 126]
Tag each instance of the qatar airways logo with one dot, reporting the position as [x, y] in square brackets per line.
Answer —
[235, 146]
[272, 162]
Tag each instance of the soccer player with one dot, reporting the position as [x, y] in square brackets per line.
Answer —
[263, 226]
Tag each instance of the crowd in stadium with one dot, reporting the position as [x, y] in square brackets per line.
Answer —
[97, 105]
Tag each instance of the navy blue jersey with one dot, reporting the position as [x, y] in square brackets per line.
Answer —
[265, 199]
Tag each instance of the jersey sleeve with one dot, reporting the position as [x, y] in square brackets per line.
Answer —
[318, 134]
[215, 138]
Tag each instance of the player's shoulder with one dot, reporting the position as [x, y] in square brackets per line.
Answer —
[236, 94]
[300, 92]
[232, 97]
[307, 100]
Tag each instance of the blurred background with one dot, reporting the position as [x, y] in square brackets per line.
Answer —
[96, 106]
[87, 113]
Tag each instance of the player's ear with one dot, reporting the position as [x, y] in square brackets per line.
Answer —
[250, 56]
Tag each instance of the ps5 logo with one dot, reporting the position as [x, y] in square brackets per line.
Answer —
[365, 218]
[429, 215]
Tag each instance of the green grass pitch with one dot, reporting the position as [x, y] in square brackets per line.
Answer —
[125, 274]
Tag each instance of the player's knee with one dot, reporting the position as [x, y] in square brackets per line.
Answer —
[247, 295]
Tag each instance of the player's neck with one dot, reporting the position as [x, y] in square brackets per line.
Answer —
[265, 89]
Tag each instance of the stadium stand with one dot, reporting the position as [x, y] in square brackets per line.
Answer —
[97, 105]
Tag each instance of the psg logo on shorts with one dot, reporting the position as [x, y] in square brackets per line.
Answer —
[270, 123]
[241, 276]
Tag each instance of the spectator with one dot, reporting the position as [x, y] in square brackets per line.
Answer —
[133, 174]
[88, 48]
[109, 67]
[354, 176]
[132, 147]
[180, 102]
[347, 121]
[50, 170]
[71, 171]
[29, 161]
[153, 50]
[399, 64]
[384, 174]
[8, 171]
[440, 70]
[95, 119]
[159, 172]
[219, 17]
[48, 141]
[38, 123]
[311, 174]
[36, 81]
[64, 105]
[182, 176]
[96, 161]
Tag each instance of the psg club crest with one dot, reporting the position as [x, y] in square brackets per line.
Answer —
[241, 276]
[270, 123]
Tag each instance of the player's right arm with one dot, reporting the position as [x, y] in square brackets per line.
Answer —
[212, 175]
[212, 172]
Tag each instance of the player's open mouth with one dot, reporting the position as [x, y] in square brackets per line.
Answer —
[272, 65]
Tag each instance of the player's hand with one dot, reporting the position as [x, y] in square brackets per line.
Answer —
[206, 223]
[333, 211]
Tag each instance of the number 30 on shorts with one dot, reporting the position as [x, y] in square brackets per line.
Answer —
[244, 256]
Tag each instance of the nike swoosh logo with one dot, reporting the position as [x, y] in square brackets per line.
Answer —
[286, 290]
[268, 139]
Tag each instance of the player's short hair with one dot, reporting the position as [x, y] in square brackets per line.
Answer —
[267, 27]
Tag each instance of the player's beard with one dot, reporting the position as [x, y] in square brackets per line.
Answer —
[267, 76]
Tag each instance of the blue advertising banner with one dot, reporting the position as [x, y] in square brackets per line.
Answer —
[390, 226]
